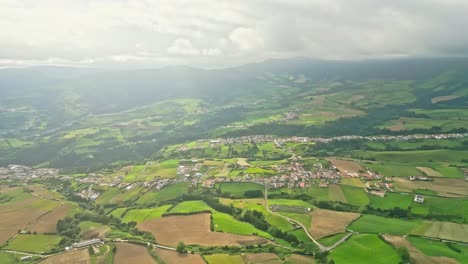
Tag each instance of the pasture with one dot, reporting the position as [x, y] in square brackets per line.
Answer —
[391, 200]
[437, 248]
[190, 207]
[442, 186]
[355, 196]
[443, 206]
[33, 243]
[336, 193]
[416, 255]
[258, 205]
[193, 230]
[239, 188]
[328, 222]
[330, 240]
[364, 248]
[116, 195]
[224, 258]
[140, 215]
[92, 230]
[443, 230]
[166, 193]
[222, 222]
[170, 256]
[131, 253]
[378, 224]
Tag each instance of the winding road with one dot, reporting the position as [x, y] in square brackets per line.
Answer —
[320, 246]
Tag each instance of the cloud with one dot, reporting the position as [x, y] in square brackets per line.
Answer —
[198, 33]
[246, 39]
[183, 47]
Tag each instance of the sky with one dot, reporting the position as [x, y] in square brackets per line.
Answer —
[218, 33]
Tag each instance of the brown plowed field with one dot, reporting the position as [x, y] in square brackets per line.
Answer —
[72, 257]
[192, 230]
[48, 222]
[131, 253]
[328, 222]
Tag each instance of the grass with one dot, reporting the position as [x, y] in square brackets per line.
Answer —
[331, 240]
[140, 215]
[116, 195]
[442, 206]
[90, 227]
[391, 200]
[304, 219]
[166, 193]
[355, 196]
[7, 258]
[224, 258]
[34, 243]
[190, 207]
[378, 224]
[365, 249]
[255, 204]
[222, 222]
[290, 202]
[239, 188]
[437, 249]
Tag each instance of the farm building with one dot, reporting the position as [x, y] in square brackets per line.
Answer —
[419, 199]
[86, 243]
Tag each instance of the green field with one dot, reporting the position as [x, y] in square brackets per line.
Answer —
[305, 219]
[355, 196]
[290, 202]
[391, 200]
[224, 258]
[378, 224]
[442, 207]
[222, 222]
[7, 258]
[273, 219]
[239, 188]
[190, 207]
[166, 193]
[140, 215]
[116, 195]
[88, 227]
[436, 248]
[226, 223]
[364, 249]
[331, 240]
[33, 243]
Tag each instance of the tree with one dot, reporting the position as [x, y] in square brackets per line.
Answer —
[405, 256]
[180, 247]
[91, 250]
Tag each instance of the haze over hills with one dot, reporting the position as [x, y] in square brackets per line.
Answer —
[138, 112]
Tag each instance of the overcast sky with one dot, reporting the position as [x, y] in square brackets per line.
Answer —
[217, 33]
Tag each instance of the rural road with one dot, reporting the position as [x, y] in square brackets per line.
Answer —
[321, 247]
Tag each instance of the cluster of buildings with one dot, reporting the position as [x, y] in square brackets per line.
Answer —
[269, 138]
[26, 173]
